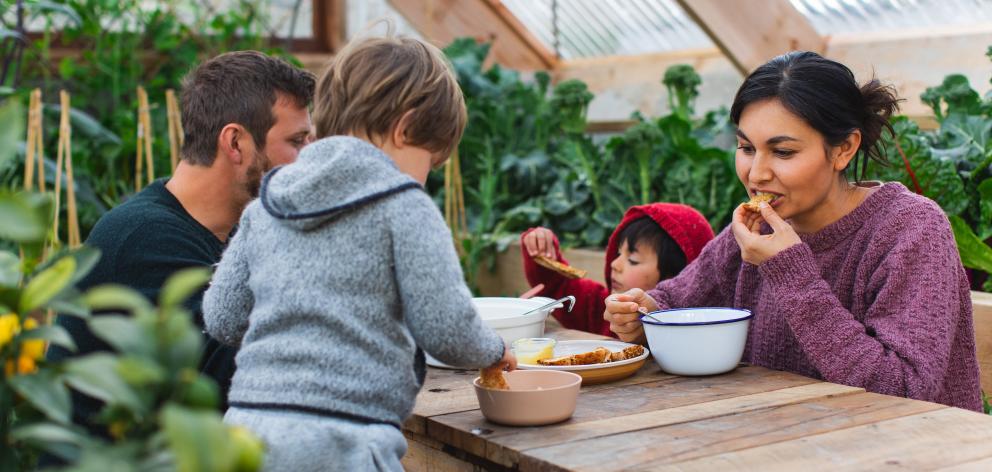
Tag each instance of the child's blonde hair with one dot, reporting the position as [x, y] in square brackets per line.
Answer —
[373, 82]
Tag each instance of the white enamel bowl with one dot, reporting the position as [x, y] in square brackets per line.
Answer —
[503, 314]
[697, 341]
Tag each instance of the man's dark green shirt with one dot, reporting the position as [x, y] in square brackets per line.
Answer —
[143, 242]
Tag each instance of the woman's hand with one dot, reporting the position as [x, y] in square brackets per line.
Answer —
[508, 362]
[757, 248]
[540, 241]
[623, 312]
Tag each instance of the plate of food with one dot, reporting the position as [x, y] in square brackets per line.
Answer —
[597, 361]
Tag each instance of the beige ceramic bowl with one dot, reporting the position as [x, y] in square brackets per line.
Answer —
[535, 397]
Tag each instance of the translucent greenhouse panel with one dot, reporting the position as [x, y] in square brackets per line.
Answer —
[857, 16]
[591, 28]
[279, 18]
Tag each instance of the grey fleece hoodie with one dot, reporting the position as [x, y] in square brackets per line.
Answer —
[338, 272]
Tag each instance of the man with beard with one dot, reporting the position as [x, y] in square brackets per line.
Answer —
[243, 113]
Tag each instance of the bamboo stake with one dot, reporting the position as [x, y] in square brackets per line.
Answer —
[176, 137]
[454, 201]
[64, 155]
[34, 153]
[144, 141]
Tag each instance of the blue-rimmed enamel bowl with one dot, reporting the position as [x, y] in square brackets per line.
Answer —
[697, 341]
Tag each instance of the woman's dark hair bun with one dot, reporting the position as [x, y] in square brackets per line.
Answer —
[825, 94]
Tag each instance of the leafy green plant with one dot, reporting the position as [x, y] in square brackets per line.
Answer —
[527, 161]
[101, 51]
[159, 411]
[951, 165]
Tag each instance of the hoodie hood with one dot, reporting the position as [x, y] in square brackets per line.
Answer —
[683, 223]
[331, 177]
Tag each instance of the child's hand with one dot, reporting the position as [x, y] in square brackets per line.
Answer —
[532, 292]
[509, 361]
[623, 312]
[540, 241]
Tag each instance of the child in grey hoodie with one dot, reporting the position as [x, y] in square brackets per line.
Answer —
[343, 269]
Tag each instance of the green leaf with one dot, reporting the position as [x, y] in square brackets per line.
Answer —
[54, 334]
[10, 269]
[198, 439]
[124, 334]
[48, 433]
[73, 307]
[140, 371]
[181, 340]
[46, 392]
[86, 125]
[96, 375]
[111, 297]
[19, 221]
[47, 284]
[182, 285]
[985, 209]
[975, 254]
[11, 133]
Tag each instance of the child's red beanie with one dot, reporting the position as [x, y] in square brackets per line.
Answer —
[683, 223]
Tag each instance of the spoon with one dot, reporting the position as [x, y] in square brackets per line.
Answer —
[644, 314]
[569, 298]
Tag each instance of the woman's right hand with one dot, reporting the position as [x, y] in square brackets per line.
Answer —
[541, 241]
[623, 311]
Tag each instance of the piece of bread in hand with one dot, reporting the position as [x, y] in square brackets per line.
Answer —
[596, 356]
[627, 353]
[567, 271]
[492, 378]
[756, 200]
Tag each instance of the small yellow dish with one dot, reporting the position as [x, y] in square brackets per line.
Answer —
[531, 350]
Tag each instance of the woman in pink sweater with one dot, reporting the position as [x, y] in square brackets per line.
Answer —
[857, 283]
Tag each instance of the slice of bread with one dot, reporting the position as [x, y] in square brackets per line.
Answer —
[567, 271]
[596, 356]
[492, 378]
[753, 203]
[627, 353]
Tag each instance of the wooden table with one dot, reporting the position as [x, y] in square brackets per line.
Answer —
[750, 419]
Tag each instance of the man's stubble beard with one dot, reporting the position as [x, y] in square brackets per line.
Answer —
[253, 177]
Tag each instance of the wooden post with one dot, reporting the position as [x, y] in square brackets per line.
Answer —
[64, 155]
[454, 201]
[329, 20]
[442, 21]
[144, 141]
[176, 137]
[750, 32]
[34, 151]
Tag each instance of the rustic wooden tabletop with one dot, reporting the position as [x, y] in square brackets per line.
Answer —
[750, 419]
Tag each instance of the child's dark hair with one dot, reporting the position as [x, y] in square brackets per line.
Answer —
[824, 94]
[644, 230]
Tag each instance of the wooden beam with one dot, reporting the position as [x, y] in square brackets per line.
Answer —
[443, 21]
[750, 32]
[909, 59]
[329, 20]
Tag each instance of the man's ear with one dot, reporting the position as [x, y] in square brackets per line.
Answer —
[846, 150]
[398, 134]
[229, 143]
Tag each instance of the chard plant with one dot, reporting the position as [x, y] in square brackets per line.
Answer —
[951, 165]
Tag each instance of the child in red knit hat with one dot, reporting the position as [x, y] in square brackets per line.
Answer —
[653, 242]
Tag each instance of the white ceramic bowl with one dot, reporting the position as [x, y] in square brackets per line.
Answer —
[503, 314]
[697, 341]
